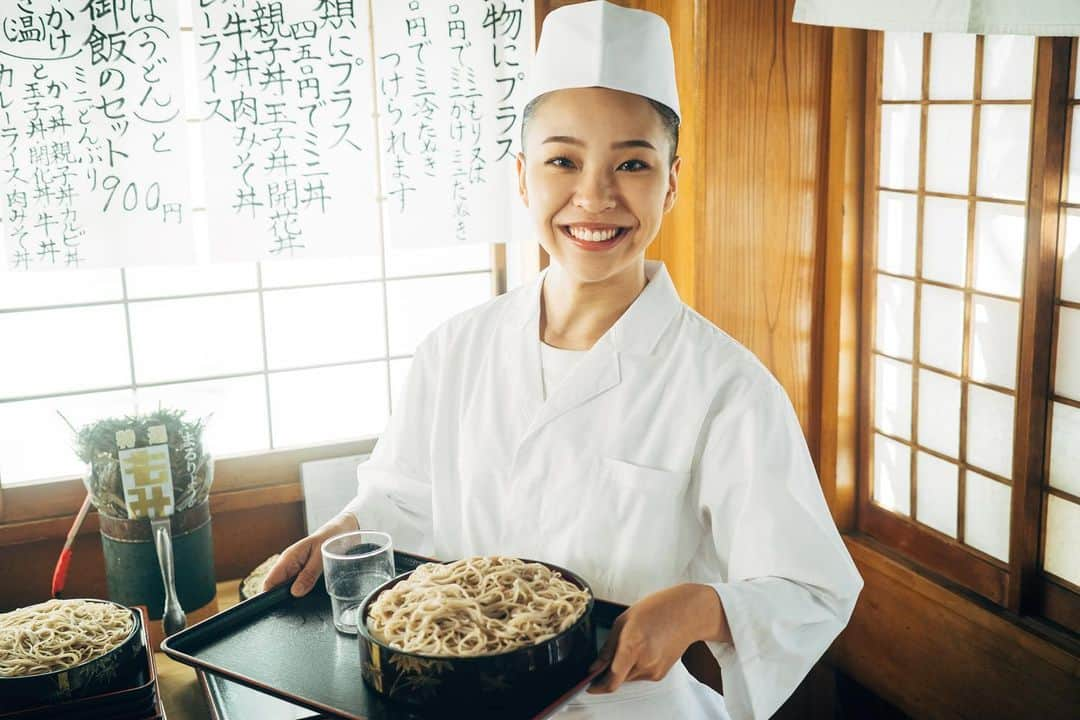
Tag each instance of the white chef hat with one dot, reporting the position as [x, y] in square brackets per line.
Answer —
[600, 44]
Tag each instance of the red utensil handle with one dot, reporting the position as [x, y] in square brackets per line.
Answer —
[60, 573]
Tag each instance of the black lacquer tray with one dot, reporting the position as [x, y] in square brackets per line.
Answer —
[288, 648]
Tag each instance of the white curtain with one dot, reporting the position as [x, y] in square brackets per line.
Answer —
[990, 17]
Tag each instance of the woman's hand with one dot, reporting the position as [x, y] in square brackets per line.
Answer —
[654, 632]
[303, 559]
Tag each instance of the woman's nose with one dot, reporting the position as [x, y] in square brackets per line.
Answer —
[595, 192]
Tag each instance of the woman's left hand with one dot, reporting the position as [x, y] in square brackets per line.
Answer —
[654, 632]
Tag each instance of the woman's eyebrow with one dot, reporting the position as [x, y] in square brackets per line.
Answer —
[614, 146]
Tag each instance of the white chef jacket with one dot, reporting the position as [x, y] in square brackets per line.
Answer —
[556, 364]
[669, 454]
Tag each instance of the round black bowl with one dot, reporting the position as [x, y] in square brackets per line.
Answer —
[114, 670]
[480, 682]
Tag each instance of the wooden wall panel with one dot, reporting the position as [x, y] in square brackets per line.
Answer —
[936, 654]
[763, 169]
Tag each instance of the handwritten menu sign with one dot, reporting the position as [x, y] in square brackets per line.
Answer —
[322, 127]
[288, 128]
[92, 138]
[450, 78]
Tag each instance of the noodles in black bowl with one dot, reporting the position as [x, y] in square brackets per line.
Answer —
[470, 633]
[60, 650]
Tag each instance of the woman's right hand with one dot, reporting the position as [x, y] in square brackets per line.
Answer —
[303, 559]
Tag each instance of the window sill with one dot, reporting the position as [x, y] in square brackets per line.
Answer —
[44, 511]
[1050, 642]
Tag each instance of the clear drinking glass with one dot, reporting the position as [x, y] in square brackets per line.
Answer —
[354, 564]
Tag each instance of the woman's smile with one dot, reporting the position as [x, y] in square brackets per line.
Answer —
[594, 237]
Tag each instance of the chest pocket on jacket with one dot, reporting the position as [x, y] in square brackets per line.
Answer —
[631, 521]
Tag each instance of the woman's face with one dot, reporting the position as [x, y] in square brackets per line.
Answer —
[596, 179]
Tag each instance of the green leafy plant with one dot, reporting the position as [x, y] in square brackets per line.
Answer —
[192, 469]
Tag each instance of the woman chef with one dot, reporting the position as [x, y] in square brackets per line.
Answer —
[593, 420]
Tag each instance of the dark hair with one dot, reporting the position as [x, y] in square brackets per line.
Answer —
[668, 118]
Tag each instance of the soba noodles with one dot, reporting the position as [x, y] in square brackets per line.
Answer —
[477, 606]
[59, 634]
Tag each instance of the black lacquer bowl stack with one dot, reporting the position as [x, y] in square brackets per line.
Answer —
[481, 682]
[118, 685]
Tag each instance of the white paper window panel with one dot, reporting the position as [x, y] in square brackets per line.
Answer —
[328, 404]
[936, 493]
[35, 442]
[43, 289]
[987, 514]
[54, 351]
[999, 248]
[900, 146]
[196, 337]
[1073, 161]
[948, 148]
[941, 335]
[952, 66]
[1070, 262]
[1061, 555]
[1004, 132]
[892, 475]
[405, 262]
[1065, 449]
[945, 222]
[311, 326]
[234, 409]
[995, 328]
[901, 76]
[1067, 363]
[1008, 67]
[162, 281]
[939, 413]
[895, 316]
[418, 306]
[990, 430]
[892, 397]
[399, 377]
[897, 227]
[315, 271]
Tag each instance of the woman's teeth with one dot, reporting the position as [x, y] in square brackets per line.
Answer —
[593, 235]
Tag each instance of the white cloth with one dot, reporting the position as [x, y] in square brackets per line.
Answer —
[669, 455]
[556, 364]
[600, 44]
[1005, 17]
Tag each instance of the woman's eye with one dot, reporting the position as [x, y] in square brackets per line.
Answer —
[633, 166]
[560, 162]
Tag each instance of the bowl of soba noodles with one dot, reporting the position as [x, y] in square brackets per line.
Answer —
[62, 650]
[469, 633]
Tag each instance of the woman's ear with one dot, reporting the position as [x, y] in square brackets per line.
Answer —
[673, 185]
[522, 190]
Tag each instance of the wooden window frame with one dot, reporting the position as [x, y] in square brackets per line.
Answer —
[1019, 585]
